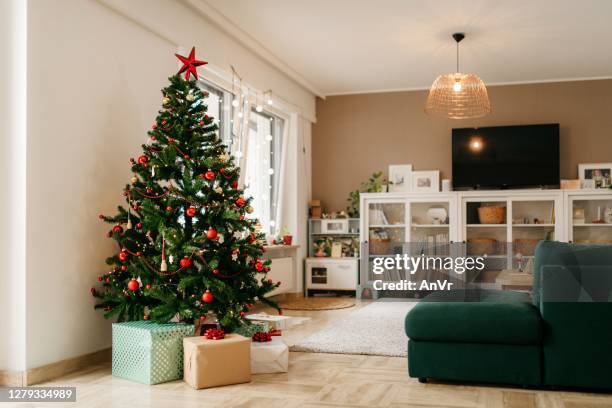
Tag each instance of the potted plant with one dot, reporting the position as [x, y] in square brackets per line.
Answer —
[375, 184]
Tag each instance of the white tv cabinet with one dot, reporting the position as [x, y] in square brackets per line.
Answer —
[398, 222]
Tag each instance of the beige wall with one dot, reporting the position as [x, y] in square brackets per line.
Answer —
[356, 135]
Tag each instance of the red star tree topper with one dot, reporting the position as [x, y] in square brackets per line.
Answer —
[190, 64]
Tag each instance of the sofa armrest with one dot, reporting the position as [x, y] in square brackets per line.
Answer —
[576, 309]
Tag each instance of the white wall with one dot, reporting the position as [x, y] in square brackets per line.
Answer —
[12, 183]
[95, 70]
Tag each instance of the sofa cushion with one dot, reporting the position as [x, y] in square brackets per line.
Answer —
[475, 316]
[574, 258]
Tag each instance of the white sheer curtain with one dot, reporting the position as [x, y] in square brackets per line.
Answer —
[263, 168]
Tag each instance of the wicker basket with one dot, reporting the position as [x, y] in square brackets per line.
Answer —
[479, 246]
[380, 246]
[525, 246]
[492, 214]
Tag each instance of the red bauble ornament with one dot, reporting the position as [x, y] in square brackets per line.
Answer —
[170, 140]
[209, 175]
[235, 184]
[169, 208]
[148, 286]
[278, 283]
[164, 122]
[222, 170]
[117, 228]
[123, 256]
[149, 190]
[259, 266]
[133, 285]
[132, 160]
[143, 159]
[101, 216]
[241, 314]
[107, 280]
[185, 262]
[202, 318]
[211, 233]
[270, 281]
[139, 225]
[186, 157]
[207, 297]
[216, 271]
[145, 317]
[191, 211]
[240, 201]
[124, 267]
[154, 126]
[100, 279]
[189, 64]
[153, 138]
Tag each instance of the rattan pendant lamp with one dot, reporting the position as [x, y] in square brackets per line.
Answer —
[457, 95]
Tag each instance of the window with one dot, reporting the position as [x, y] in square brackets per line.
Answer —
[219, 103]
[263, 167]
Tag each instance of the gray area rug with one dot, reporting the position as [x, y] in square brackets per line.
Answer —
[376, 329]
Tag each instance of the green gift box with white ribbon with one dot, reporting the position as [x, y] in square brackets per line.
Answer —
[148, 352]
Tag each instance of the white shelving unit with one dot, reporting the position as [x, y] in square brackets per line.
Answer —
[324, 272]
[394, 223]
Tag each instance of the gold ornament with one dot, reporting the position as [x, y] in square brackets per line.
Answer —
[134, 179]
[189, 97]
[249, 210]
[218, 190]
[224, 157]
[165, 100]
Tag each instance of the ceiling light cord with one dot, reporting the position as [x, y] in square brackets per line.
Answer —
[458, 37]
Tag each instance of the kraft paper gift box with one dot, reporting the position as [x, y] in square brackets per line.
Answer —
[269, 357]
[148, 352]
[212, 363]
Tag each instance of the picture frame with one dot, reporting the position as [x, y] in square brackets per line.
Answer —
[400, 177]
[595, 175]
[426, 181]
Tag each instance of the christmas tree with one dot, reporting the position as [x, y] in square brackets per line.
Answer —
[186, 246]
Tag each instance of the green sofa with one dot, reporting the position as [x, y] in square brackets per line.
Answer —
[560, 336]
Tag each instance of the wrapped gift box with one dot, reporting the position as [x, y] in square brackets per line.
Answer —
[212, 363]
[274, 322]
[249, 329]
[269, 357]
[148, 352]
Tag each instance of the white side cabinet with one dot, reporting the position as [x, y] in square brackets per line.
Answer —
[331, 273]
[588, 216]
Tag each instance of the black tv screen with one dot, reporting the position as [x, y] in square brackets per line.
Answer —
[506, 156]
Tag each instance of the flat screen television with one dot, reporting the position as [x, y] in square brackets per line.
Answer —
[506, 157]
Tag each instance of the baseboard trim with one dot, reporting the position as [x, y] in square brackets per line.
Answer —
[11, 378]
[54, 370]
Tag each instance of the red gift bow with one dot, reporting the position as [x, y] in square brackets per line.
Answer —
[262, 337]
[214, 334]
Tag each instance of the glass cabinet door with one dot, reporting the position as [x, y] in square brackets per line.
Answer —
[386, 227]
[485, 234]
[590, 219]
[430, 229]
[532, 221]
